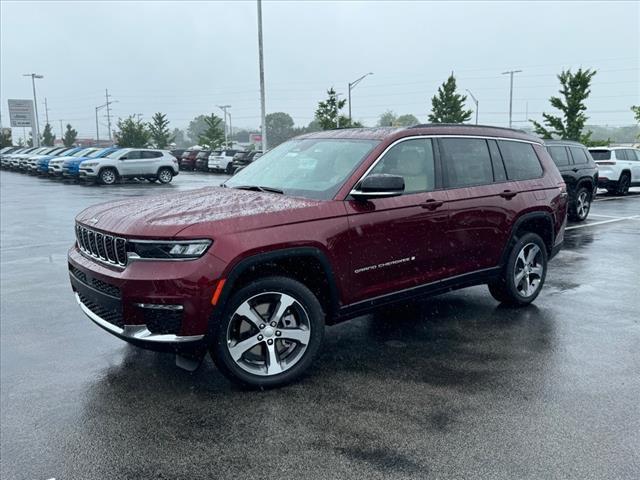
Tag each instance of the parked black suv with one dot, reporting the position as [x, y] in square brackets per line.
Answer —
[242, 159]
[579, 172]
[202, 161]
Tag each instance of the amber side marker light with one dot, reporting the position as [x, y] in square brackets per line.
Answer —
[218, 291]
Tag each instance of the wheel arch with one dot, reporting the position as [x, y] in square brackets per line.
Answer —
[537, 222]
[108, 167]
[308, 265]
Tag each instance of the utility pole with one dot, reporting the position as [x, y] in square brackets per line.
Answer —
[510, 73]
[36, 141]
[475, 100]
[97, 128]
[106, 92]
[263, 115]
[224, 109]
[352, 86]
[61, 130]
[46, 110]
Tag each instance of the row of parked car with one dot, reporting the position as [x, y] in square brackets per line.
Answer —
[228, 161]
[93, 164]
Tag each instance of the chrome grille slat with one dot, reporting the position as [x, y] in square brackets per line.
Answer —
[101, 246]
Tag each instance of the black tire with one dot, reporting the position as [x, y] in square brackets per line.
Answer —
[580, 207]
[165, 175]
[507, 289]
[108, 176]
[229, 169]
[230, 323]
[623, 184]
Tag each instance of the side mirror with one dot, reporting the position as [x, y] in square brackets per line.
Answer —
[123, 158]
[379, 186]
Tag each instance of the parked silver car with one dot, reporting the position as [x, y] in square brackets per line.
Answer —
[147, 163]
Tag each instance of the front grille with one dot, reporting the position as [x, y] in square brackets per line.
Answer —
[113, 316]
[105, 287]
[79, 274]
[102, 246]
[163, 322]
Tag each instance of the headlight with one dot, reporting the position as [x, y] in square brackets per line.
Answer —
[187, 249]
[89, 164]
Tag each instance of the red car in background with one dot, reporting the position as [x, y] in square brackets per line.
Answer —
[188, 159]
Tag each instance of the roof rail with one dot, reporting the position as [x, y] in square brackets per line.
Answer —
[437, 125]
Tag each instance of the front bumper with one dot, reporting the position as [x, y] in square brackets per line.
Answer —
[155, 305]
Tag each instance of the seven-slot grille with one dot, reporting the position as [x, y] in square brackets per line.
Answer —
[102, 246]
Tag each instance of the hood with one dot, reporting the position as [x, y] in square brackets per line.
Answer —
[61, 159]
[74, 160]
[213, 210]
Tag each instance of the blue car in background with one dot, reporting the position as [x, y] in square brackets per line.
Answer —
[42, 167]
[71, 167]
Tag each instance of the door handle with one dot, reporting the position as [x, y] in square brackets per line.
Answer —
[432, 204]
[575, 169]
[508, 194]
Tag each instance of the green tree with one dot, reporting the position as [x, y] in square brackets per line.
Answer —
[447, 106]
[279, 128]
[387, 119]
[70, 136]
[159, 130]
[327, 113]
[574, 91]
[5, 138]
[213, 135]
[636, 114]
[197, 127]
[47, 136]
[406, 120]
[132, 133]
[179, 138]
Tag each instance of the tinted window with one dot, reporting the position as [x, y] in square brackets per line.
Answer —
[601, 154]
[134, 155]
[520, 160]
[636, 153]
[467, 161]
[631, 155]
[559, 155]
[412, 160]
[499, 175]
[579, 155]
[620, 154]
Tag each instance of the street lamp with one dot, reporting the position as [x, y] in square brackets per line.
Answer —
[352, 86]
[224, 109]
[35, 103]
[510, 73]
[98, 108]
[475, 100]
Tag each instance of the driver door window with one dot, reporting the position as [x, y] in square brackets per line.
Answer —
[413, 161]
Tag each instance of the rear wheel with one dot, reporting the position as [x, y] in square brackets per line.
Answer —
[623, 184]
[524, 273]
[108, 176]
[165, 175]
[580, 209]
[269, 333]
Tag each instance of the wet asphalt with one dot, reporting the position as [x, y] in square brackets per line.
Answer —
[453, 387]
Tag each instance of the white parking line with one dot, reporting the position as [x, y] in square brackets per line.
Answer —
[603, 216]
[616, 198]
[603, 222]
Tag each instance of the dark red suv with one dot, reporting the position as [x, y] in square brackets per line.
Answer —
[322, 228]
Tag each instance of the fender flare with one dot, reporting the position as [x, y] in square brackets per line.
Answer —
[516, 225]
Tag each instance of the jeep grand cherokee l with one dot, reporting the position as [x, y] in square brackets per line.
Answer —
[618, 167]
[320, 229]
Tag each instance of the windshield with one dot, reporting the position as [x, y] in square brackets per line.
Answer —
[312, 168]
[97, 153]
[600, 154]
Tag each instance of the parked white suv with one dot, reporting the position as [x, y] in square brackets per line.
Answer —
[55, 164]
[147, 163]
[222, 161]
[618, 168]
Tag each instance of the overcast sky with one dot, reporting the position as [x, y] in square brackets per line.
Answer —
[184, 58]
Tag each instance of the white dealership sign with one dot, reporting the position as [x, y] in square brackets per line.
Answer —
[21, 113]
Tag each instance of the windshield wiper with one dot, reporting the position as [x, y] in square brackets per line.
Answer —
[258, 188]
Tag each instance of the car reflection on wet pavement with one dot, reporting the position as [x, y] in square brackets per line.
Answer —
[456, 386]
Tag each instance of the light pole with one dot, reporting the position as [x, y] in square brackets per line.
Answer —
[263, 115]
[352, 86]
[510, 73]
[98, 108]
[475, 100]
[35, 103]
[224, 109]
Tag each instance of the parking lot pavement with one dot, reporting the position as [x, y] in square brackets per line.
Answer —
[454, 387]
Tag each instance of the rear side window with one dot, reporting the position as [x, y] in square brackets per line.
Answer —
[520, 160]
[601, 154]
[631, 155]
[467, 162]
[636, 153]
[579, 155]
[151, 154]
[621, 155]
[559, 155]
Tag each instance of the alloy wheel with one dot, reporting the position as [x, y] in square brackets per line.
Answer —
[268, 333]
[528, 270]
[582, 205]
[165, 176]
[108, 177]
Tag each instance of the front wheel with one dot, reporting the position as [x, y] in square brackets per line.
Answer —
[165, 175]
[269, 333]
[108, 176]
[524, 273]
[229, 169]
[580, 210]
